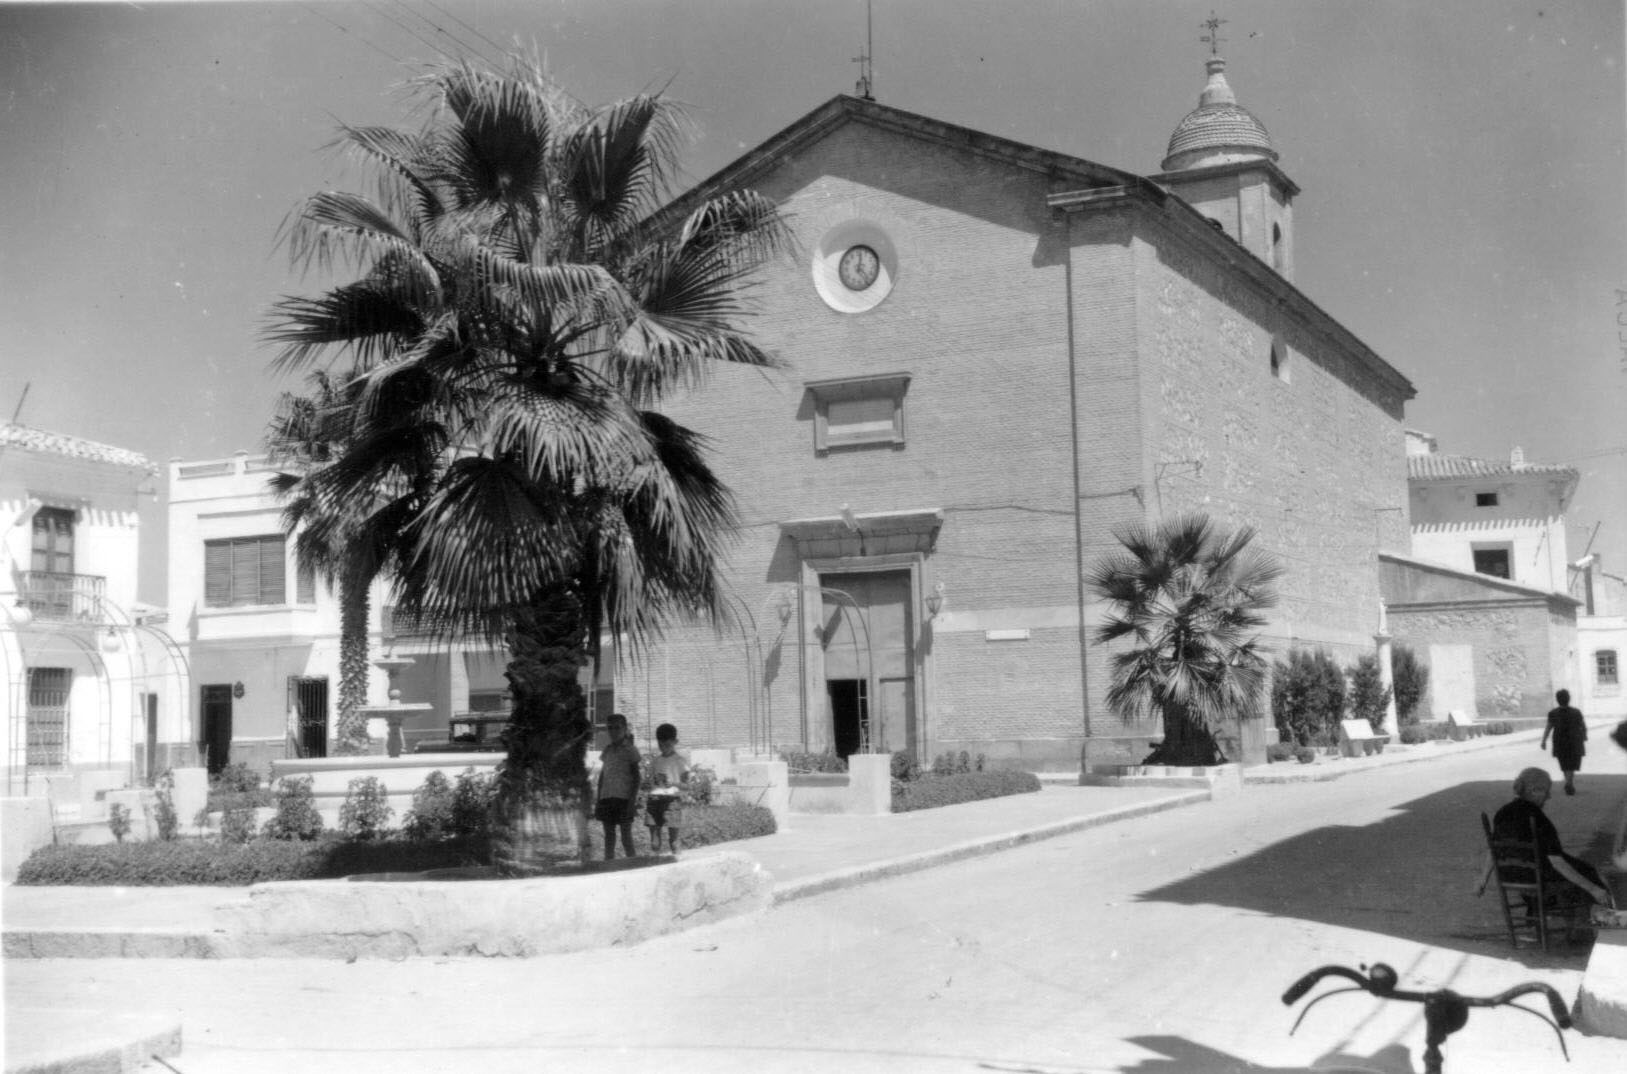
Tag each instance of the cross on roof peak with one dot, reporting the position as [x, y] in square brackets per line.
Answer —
[1213, 24]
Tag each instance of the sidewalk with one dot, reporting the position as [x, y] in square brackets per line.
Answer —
[812, 854]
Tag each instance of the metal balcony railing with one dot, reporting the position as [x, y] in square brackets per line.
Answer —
[398, 624]
[63, 598]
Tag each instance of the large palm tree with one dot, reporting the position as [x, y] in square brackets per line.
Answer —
[513, 319]
[1189, 598]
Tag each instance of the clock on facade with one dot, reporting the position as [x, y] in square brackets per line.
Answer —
[858, 268]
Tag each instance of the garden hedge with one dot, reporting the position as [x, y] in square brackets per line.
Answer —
[210, 862]
[931, 791]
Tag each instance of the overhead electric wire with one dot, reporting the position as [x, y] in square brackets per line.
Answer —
[346, 30]
[501, 51]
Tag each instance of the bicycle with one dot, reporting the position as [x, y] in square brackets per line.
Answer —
[1445, 1011]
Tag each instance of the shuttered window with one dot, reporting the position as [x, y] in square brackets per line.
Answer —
[244, 570]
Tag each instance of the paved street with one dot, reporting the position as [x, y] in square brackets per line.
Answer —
[1159, 944]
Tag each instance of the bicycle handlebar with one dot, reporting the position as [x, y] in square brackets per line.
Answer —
[1382, 981]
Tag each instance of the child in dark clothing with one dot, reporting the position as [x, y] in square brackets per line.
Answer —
[618, 787]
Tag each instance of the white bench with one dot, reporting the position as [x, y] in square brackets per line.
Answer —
[1464, 726]
[1358, 739]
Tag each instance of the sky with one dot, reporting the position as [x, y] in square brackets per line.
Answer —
[1463, 205]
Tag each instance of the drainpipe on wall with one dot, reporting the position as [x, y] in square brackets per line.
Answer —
[1078, 521]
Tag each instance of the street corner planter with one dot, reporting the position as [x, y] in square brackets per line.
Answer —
[474, 912]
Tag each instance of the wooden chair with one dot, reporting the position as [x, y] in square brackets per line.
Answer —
[1531, 901]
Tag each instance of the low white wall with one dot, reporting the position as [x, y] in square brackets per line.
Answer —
[25, 826]
[864, 790]
[515, 918]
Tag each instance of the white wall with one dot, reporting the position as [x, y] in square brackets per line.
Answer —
[1529, 517]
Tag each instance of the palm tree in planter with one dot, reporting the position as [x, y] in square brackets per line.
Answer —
[1190, 600]
[519, 309]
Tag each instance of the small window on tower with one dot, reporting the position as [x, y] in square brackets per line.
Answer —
[1276, 246]
[1279, 358]
[1485, 499]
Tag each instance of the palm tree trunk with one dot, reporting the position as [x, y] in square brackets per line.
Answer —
[542, 793]
[351, 729]
[1186, 740]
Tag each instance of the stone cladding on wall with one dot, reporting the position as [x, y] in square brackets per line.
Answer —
[1312, 459]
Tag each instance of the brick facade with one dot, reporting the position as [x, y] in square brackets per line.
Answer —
[1070, 371]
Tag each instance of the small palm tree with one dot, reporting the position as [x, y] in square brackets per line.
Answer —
[340, 540]
[1189, 599]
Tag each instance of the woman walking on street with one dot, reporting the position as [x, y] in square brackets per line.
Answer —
[1570, 737]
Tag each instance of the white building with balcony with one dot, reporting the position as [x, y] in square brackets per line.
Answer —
[95, 691]
[262, 637]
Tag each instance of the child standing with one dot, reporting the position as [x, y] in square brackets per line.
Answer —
[668, 771]
[618, 787]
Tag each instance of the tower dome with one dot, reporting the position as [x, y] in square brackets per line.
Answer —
[1218, 130]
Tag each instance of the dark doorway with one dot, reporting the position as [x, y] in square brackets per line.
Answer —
[215, 726]
[867, 632]
[309, 698]
[849, 715]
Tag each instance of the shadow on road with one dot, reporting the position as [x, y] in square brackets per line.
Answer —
[1188, 1057]
[1413, 875]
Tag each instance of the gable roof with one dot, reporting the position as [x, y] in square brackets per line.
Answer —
[1438, 467]
[1074, 172]
[74, 447]
[1074, 182]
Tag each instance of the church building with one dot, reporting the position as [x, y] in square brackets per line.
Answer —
[994, 357]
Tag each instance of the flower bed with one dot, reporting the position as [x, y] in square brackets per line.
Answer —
[930, 791]
[213, 862]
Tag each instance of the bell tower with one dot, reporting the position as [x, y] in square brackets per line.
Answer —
[1220, 160]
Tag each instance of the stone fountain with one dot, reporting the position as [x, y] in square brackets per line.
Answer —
[394, 710]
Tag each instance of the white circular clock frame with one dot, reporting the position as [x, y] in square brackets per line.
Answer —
[827, 266]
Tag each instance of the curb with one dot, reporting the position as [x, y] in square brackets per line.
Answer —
[107, 1056]
[108, 943]
[844, 878]
[1483, 742]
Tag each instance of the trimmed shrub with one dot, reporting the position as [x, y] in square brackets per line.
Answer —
[803, 761]
[296, 817]
[366, 812]
[904, 766]
[175, 861]
[932, 791]
[207, 862]
[430, 816]
[1369, 697]
[1499, 727]
[1279, 751]
[237, 824]
[701, 787]
[1307, 696]
[118, 821]
[472, 798]
[1411, 678]
[164, 816]
[1304, 755]
[1434, 731]
[708, 825]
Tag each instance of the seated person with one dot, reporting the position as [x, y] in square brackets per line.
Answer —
[1519, 818]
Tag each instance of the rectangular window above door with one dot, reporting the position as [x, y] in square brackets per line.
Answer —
[864, 411]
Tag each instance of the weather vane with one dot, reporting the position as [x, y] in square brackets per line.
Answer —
[864, 87]
[1212, 38]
